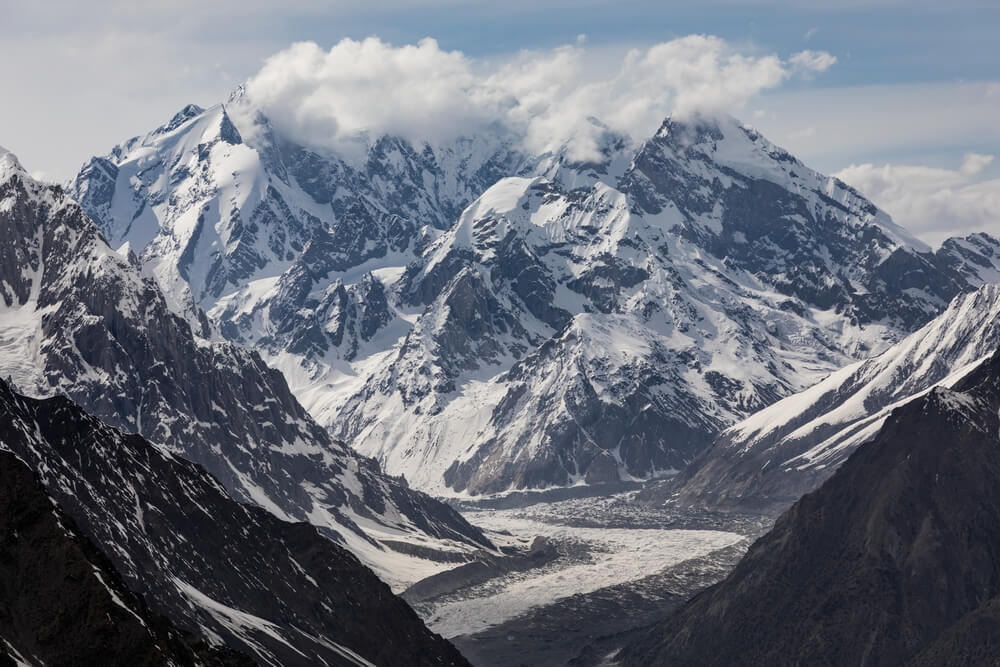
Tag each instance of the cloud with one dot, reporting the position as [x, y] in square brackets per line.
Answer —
[368, 86]
[810, 33]
[358, 89]
[128, 66]
[813, 61]
[931, 202]
[975, 163]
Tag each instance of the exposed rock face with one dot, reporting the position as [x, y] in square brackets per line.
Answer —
[977, 257]
[82, 321]
[557, 400]
[418, 299]
[279, 592]
[894, 557]
[788, 449]
[63, 602]
[217, 206]
[973, 640]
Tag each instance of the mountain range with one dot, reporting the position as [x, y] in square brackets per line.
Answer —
[238, 373]
[479, 319]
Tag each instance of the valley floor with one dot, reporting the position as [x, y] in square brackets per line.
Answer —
[612, 565]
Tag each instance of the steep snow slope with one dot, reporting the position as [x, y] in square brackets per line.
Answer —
[789, 448]
[278, 592]
[213, 207]
[216, 201]
[81, 320]
[477, 352]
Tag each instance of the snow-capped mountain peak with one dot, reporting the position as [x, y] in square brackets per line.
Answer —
[9, 161]
[719, 146]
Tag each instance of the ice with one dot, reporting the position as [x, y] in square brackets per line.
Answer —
[616, 555]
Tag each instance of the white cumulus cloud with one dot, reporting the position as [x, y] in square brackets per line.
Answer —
[325, 97]
[933, 203]
[331, 98]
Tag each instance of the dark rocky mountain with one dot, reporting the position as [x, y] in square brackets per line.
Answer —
[279, 592]
[896, 558]
[63, 603]
[81, 320]
[775, 456]
[973, 640]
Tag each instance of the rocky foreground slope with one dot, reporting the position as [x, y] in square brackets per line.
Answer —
[278, 592]
[63, 602]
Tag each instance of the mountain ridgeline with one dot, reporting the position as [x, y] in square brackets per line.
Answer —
[788, 449]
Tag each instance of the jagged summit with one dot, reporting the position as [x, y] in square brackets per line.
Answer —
[10, 166]
[715, 144]
[184, 115]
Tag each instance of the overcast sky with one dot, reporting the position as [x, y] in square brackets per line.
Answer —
[899, 98]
